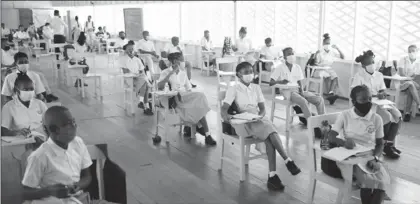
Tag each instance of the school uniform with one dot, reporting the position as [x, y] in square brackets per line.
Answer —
[375, 83]
[135, 66]
[58, 26]
[364, 131]
[244, 45]
[9, 83]
[21, 35]
[5, 32]
[148, 46]
[119, 43]
[269, 53]
[6, 58]
[409, 69]
[193, 105]
[326, 58]
[170, 48]
[208, 44]
[247, 99]
[294, 75]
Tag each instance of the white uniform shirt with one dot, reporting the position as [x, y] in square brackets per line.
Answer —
[58, 25]
[246, 97]
[48, 32]
[51, 164]
[9, 83]
[282, 72]
[179, 82]
[133, 64]
[119, 43]
[6, 58]
[325, 58]
[243, 45]
[5, 31]
[364, 130]
[408, 67]
[170, 48]
[16, 116]
[208, 44]
[21, 35]
[89, 25]
[269, 52]
[374, 82]
[147, 46]
[79, 48]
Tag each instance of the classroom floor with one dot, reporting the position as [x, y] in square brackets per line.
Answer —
[185, 171]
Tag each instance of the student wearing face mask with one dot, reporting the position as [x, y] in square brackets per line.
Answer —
[145, 46]
[360, 126]
[391, 116]
[290, 72]
[409, 66]
[325, 57]
[24, 113]
[248, 97]
[190, 106]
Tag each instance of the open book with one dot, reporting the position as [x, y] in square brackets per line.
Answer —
[341, 153]
[16, 140]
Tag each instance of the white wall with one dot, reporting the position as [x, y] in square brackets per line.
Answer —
[26, 4]
[10, 17]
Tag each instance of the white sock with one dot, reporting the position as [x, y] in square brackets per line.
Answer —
[207, 134]
[146, 105]
[331, 92]
[271, 174]
[288, 160]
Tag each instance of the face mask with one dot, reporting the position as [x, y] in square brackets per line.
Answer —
[23, 67]
[412, 55]
[363, 108]
[370, 69]
[326, 47]
[122, 38]
[248, 78]
[291, 59]
[26, 95]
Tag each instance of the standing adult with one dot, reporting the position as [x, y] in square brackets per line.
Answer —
[58, 26]
[77, 28]
[90, 33]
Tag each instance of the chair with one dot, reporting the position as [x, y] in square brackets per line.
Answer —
[311, 79]
[203, 62]
[110, 51]
[97, 154]
[243, 141]
[344, 185]
[222, 75]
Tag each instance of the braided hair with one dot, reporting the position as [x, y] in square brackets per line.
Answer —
[21, 78]
[362, 58]
[326, 37]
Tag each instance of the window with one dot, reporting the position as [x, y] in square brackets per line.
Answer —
[286, 24]
[308, 26]
[162, 19]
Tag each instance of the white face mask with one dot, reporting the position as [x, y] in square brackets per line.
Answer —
[412, 55]
[248, 78]
[370, 68]
[291, 59]
[327, 47]
[26, 95]
[23, 67]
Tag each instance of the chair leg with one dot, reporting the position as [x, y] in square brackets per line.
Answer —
[193, 130]
[222, 151]
[242, 159]
[312, 191]
[273, 107]
[247, 152]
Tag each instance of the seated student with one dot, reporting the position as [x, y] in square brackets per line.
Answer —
[100, 32]
[106, 33]
[410, 66]
[32, 31]
[121, 41]
[5, 32]
[131, 64]
[248, 97]
[22, 63]
[145, 46]
[190, 106]
[48, 34]
[360, 126]
[21, 34]
[207, 45]
[290, 72]
[391, 117]
[59, 168]
[176, 47]
[268, 53]
[326, 57]
[24, 112]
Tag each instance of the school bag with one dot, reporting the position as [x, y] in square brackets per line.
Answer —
[227, 128]
[387, 71]
[311, 62]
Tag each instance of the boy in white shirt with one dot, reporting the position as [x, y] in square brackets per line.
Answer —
[145, 46]
[292, 73]
[4, 31]
[176, 47]
[121, 41]
[21, 34]
[131, 64]
[268, 53]
[207, 45]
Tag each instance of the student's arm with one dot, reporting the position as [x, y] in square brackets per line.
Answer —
[275, 77]
[164, 79]
[318, 57]
[336, 128]
[261, 102]
[379, 135]
[85, 179]
[227, 102]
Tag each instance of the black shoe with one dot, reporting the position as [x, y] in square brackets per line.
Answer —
[140, 105]
[210, 141]
[390, 153]
[193, 85]
[278, 91]
[293, 169]
[396, 150]
[187, 131]
[148, 111]
[407, 118]
[52, 97]
[274, 183]
[200, 131]
[298, 110]
[332, 98]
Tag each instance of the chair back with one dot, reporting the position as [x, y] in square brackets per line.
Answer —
[227, 78]
[351, 82]
[109, 46]
[97, 154]
[315, 121]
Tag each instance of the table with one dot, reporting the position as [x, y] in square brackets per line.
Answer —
[79, 74]
[397, 79]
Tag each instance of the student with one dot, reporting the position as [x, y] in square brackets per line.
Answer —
[89, 25]
[107, 35]
[175, 47]
[360, 126]
[24, 113]
[32, 31]
[121, 41]
[58, 26]
[410, 66]
[79, 47]
[48, 34]
[290, 72]
[21, 34]
[131, 64]
[4, 31]
[59, 168]
[77, 28]
[268, 53]
[145, 46]
[248, 97]
[325, 57]
[243, 45]
[207, 45]
[100, 32]
[191, 106]
[391, 116]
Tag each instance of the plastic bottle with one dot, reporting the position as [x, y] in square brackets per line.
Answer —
[166, 88]
[325, 130]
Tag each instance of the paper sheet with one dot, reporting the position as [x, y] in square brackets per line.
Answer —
[382, 102]
[341, 153]
[247, 116]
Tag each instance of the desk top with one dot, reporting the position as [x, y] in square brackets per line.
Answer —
[286, 86]
[320, 67]
[16, 140]
[398, 78]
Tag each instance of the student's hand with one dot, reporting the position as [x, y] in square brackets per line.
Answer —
[24, 132]
[226, 117]
[349, 143]
[174, 70]
[285, 81]
[74, 188]
[381, 95]
[374, 165]
[58, 191]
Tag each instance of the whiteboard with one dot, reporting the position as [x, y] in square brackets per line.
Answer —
[133, 20]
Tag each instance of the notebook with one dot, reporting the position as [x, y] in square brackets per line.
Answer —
[381, 102]
[341, 153]
[16, 140]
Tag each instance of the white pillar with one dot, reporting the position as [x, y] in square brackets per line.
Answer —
[235, 20]
[321, 23]
[180, 20]
[390, 32]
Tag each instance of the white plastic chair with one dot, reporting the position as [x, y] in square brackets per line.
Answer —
[97, 154]
[244, 142]
[226, 78]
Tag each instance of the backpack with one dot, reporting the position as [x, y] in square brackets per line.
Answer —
[387, 71]
[226, 126]
[311, 62]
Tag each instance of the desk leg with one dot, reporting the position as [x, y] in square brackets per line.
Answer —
[208, 66]
[82, 85]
